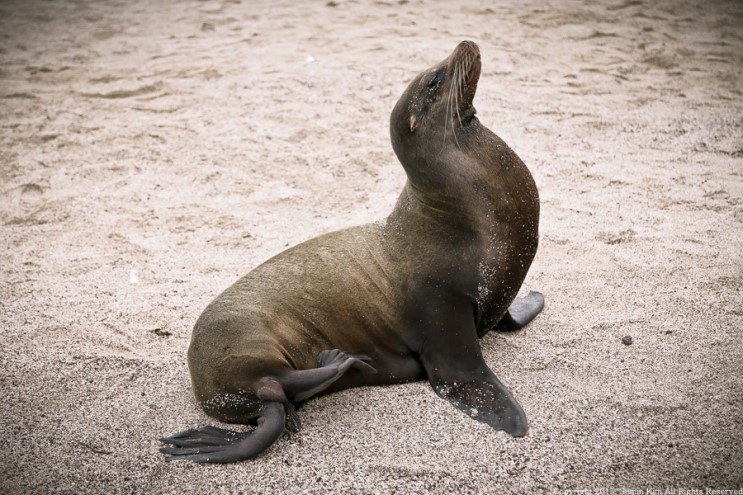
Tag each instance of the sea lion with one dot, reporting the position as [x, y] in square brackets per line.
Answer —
[389, 302]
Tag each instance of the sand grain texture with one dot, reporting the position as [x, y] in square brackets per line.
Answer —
[179, 144]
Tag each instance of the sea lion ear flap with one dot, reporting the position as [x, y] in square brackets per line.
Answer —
[413, 123]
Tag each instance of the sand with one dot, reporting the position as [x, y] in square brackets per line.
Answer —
[152, 152]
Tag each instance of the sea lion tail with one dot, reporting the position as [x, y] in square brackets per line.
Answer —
[217, 445]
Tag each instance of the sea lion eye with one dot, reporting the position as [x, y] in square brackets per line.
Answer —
[435, 79]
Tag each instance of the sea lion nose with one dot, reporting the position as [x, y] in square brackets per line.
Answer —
[469, 45]
[468, 49]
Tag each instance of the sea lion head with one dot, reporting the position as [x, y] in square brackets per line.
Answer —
[436, 109]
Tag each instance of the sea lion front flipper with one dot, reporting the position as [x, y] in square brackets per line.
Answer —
[487, 401]
[332, 364]
[457, 371]
[210, 444]
[521, 311]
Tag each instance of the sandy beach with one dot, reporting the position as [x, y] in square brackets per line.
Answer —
[153, 152]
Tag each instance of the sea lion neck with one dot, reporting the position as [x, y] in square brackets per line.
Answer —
[459, 173]
[479, 198]
[429, 211]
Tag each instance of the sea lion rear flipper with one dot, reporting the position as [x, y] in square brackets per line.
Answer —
[521, 312]
[210, 444]
[332, 364]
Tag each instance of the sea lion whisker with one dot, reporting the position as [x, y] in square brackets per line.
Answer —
[459, 117]
[446, 117]
[458, 98]
[448, 109]
[463, 72]
[455, 79]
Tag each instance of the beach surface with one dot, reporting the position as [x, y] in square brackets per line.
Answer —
[153, 152]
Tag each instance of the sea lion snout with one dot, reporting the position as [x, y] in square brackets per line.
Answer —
[466, 53]
[468, 46]
[464, 66]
